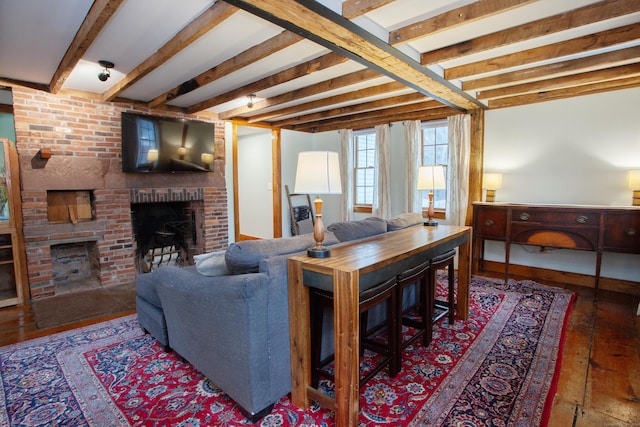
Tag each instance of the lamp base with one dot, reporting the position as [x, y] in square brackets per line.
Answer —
[430, 223]
[321, 252]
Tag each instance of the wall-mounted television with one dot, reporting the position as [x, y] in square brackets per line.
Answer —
[154, 144]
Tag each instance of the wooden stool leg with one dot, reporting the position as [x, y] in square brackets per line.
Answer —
[427, 301]
[452, 302]
[394, 333]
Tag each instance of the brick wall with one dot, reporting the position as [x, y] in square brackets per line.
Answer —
[83, 134]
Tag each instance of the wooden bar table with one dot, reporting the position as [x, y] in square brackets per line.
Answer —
[346, 264]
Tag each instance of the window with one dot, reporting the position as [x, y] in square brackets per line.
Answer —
[147, 138]
[435, 151]
[364, 146]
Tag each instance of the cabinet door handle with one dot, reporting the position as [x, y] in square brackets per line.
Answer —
[524, 216]
[630, 231]
[488, 222]
[581, 219]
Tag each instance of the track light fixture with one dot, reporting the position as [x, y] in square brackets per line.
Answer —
[105, 74]
[250, 103]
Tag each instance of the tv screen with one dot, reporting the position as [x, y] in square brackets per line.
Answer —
[153, 144]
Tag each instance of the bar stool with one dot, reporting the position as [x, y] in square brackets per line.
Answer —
[418, 275]
[385, 291]
[448, 307]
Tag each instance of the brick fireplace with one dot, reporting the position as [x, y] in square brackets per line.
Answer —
[98, 246]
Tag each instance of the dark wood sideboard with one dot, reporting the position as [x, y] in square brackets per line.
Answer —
[589, 228]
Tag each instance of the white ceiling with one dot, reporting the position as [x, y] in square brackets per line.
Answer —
[35, 35]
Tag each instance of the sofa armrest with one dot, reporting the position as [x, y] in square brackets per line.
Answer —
[220, 325]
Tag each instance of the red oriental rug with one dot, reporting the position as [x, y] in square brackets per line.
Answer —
[498, 368]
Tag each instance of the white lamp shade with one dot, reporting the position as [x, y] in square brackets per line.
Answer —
[318, 172]
[492, 181]
[431, 178]
[633, 177]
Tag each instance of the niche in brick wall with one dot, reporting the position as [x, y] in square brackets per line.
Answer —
[64, 206]
[75, 266]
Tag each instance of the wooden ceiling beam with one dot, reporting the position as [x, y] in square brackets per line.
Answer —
[332, 100]
[294, 95]
[614, 73]
[626, 83]
[565, 21]
[331, 30]
[249, 56]
[454, 18]
[356, 123]
[579, 45]
[399, 101]
[557, 69]
[100, 13]
[205, 22]
[354, 8]
[297, 71]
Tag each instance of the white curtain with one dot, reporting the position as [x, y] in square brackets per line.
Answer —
[412, 161]
[346, 174]
[382, 180]
[458, 174]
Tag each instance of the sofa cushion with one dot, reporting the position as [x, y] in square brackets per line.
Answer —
[352, 230]
[211, 264]
[404, 220]
[244, 257]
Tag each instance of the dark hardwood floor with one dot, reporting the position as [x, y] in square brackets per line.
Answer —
[599, 382]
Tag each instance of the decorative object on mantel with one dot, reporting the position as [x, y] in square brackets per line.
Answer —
[633, 177]
[44, 153]
[318, 172]
[431, 178]
[491, 182]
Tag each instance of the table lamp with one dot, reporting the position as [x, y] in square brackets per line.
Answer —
[491, 182]
[633, 177]
[431, 178]
[318, 172]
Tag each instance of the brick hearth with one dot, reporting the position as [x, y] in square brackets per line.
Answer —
[83, 135]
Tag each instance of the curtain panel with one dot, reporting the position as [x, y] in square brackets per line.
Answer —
[346, 174]
[412, 129]
[382, 181]
[458, 174]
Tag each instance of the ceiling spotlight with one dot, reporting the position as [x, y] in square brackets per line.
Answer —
[250, 103]
[105, 74]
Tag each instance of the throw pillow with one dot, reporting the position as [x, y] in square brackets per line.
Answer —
[352, 230]
[211, 264]
[403, 221]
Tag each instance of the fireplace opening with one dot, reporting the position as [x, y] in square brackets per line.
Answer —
[164, 233]
[75, 266]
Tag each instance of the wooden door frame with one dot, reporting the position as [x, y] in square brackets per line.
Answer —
[276, 177]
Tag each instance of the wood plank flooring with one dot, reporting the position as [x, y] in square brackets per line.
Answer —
[599, 381]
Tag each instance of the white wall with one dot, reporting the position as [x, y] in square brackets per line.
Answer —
[570, 151]
[255, 185]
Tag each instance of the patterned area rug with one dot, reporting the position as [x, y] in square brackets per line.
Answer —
[496, 369]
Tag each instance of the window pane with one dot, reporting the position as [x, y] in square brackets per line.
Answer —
[364, 147]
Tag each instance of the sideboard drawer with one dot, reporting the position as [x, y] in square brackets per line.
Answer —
[622, 232]
[556, 217]
[490, 222]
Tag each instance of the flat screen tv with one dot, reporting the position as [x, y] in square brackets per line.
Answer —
[153, 144]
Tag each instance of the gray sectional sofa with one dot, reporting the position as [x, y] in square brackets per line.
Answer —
[228, 314]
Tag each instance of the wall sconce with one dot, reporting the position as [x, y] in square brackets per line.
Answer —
[491, 182]
[152, 156]
[182, 151]
[318, 172]
[105, 74]
[633, 178]
[431, 178]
